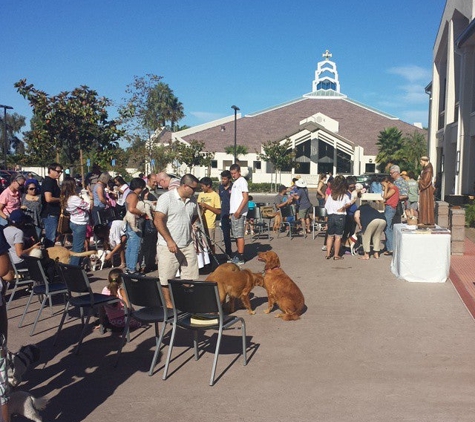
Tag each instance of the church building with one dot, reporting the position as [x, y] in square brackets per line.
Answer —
[329, 132]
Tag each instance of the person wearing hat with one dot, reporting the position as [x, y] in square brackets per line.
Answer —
[426, 193]
[16, 238]
[305, 206]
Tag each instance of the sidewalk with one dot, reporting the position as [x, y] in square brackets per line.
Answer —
[370, 347]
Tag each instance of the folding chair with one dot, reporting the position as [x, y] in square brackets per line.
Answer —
[145, 298]
[261, 226]
[43, 288]
[319, 220]
[199, 301]
[81, 295]
[22, 278]
[288, 212]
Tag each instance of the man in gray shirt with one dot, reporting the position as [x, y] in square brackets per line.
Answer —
[175, 212]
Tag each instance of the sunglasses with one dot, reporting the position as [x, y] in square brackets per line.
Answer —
[58, 171]
[191, 187]
[31, 188]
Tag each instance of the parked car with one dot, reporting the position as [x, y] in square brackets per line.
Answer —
[31, 174]
[365, 179]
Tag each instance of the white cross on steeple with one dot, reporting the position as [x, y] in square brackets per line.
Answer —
[327, 55]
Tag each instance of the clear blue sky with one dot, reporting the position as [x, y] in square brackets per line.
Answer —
[216, 53]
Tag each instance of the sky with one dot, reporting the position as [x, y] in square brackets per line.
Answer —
[213, 54]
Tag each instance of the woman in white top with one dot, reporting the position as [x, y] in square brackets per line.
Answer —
[79, 216]
[336, 205]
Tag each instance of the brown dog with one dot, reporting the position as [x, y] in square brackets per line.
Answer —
[277, 222]
[59, 253]
[235, 283]
[281, 289]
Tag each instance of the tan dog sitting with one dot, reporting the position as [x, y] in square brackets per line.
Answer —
[235, 283]
[59, 253]
[281, 289]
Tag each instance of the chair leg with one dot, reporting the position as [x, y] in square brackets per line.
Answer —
[12, 294]
[195, 344]
[83, 331]
[169, 355]
[51, 305]
[43, 303]
[123, 339]
[63, 318]
[244, 346]
[26, 308]
[159, 339]
[216, 354]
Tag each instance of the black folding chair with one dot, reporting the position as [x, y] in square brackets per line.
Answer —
[43, 288]
[146, 302]
[81, 296]
[287, 212]
[22, 278]
[319, 220]
[199, 302]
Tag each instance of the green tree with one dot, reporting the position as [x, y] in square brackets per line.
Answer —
[15, 122]
[65, 125]
[192, 155]
[149, 106]
[240, 150]
[414, 146]
[163, 155]
[280, 155]
[389, 144]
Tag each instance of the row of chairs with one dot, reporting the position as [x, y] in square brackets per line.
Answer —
[191, 299]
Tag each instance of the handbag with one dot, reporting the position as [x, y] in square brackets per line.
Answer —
[63, 224]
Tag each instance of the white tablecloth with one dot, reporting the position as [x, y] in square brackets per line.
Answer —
[420, 257]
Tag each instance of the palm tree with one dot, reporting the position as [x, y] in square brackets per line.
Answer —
[414, 147]
[389, 144]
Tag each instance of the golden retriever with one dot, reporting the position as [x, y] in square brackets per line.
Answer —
[235, 283]
[281, 289]
[59, 253]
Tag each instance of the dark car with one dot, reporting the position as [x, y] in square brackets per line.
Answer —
[31, 175]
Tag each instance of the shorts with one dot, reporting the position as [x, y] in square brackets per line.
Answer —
[305, 213]
[185, 260]
[412, 205]
[336, 225]
[237, 226]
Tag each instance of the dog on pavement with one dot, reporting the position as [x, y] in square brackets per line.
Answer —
[235, 283]
[58, 253]
[281, 290]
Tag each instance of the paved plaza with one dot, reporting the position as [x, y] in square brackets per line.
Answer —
[369, 347]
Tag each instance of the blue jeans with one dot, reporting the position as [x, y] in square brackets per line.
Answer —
[79, 236]
[389, 213]
[132, 249]
[50, 224]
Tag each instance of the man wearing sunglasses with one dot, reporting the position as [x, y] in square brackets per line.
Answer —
[175, 212]
[50, 194]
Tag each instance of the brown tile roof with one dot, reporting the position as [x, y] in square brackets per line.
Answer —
[356, 123]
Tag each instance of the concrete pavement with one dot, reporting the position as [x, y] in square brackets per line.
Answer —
[369, 348]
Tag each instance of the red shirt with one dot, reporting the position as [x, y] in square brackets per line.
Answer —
[394, 199]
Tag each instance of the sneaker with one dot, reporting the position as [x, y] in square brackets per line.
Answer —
[236, 260]
[324, 248]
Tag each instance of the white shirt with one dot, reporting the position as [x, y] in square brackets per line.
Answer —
[333, 205]
[116, 232]
[239, 186]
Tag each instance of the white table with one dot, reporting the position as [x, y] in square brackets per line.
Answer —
[420, 257]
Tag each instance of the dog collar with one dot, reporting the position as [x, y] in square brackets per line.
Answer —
[270, 269]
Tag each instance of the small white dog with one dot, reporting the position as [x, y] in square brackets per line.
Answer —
[144, 207]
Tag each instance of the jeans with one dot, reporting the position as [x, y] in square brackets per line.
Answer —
[226, 228]
[50, 224]
[389, 213]
[132, 249]
[79, 236]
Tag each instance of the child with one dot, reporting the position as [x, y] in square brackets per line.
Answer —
[115, 312]
[251, 205]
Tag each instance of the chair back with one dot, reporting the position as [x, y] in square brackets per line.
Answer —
[320, 212]
[143, 291]
[195, 297]
[287, 211]
[75, 278]
[35, 269]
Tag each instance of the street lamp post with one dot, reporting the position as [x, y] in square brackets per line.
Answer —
[236, 109]
[5, 108]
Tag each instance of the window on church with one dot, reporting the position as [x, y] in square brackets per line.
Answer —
[302, 168]
[343, 163]
[214, 164]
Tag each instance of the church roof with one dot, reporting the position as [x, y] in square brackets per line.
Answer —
[358, 123]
